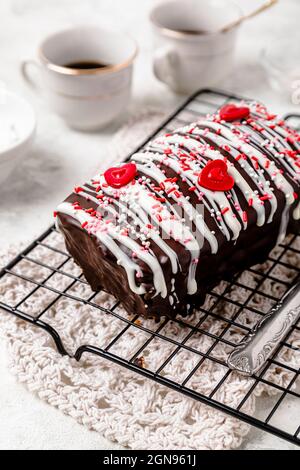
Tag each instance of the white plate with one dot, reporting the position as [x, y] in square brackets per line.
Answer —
[17, 129]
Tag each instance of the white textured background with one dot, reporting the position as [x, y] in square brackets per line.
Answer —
[28, 198]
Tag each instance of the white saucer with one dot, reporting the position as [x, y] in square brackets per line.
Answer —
[17, 129]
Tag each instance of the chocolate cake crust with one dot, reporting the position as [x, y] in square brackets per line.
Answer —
[196, 206]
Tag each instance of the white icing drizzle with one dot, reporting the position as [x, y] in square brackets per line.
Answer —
[189, 209]
[213, 196]
[181, 232]
[239, 180]
[250, 151]
[131, 267]
[140, 219]
[284, 224]
[296, 213]
[156, 205]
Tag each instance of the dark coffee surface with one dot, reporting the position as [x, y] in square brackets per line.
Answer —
[189, 31]
[85, 65]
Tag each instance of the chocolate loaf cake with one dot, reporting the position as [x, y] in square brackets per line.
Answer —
[196, 206]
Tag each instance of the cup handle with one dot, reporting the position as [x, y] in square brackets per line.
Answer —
[165, 61]
[29, 76]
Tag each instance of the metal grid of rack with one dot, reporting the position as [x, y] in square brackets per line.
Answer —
[285, 398]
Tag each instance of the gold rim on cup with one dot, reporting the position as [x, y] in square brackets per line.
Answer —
[73, 71]
[180, 34]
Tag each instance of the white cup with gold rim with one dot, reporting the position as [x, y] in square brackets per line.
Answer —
[85, 73]
[190, 49]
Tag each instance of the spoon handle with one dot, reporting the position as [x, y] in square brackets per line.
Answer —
[253, 13]
[251, 354]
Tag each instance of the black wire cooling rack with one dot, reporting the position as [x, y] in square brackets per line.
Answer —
[285, 400]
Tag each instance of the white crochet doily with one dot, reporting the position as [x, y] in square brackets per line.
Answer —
[121, 405]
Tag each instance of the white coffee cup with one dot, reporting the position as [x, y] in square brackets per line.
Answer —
[87, 99]
[190, 51]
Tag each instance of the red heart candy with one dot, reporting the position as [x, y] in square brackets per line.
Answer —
[231, 112]
[215, 176]
[120, 176]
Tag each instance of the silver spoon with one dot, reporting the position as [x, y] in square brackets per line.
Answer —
[251, 354]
